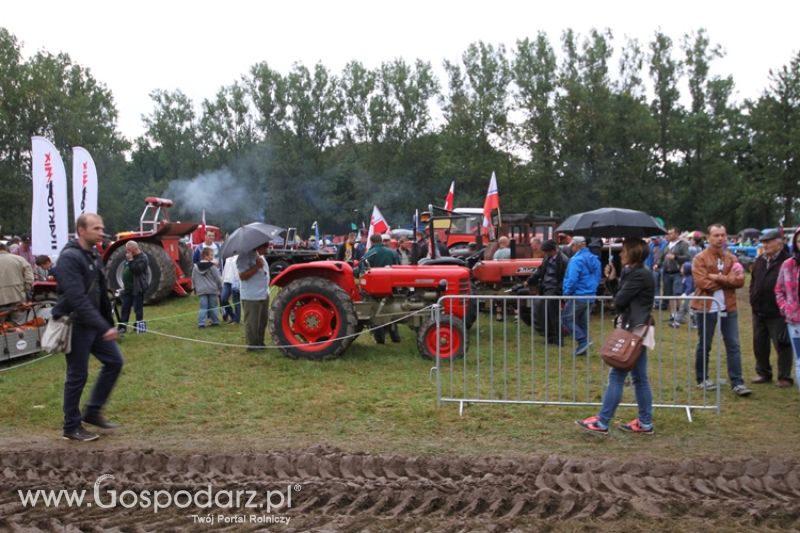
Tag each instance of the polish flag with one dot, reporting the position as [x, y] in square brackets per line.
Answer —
[377, 224]
[491, 202]
[448, 200]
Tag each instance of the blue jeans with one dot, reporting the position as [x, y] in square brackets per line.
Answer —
[579, 327]
[136, 301]
[729, 324]
[208, 305]
[794, 335]
[613, 395]
[85, 341]
[233, 310]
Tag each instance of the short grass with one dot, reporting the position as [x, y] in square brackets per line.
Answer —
[187, 395]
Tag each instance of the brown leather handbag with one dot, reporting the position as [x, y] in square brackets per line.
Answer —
[622, 348]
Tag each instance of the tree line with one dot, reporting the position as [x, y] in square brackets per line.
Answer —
[565, 127]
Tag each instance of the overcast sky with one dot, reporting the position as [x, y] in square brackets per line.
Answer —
[136, 47]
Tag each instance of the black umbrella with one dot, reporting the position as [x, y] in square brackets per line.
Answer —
[245, 239]
[752, 233]
[612, 222]
[273, 232]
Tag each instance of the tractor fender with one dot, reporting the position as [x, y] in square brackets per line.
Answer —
[338, 272]
[121, 242]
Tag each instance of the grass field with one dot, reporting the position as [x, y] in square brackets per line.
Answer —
[188, 395]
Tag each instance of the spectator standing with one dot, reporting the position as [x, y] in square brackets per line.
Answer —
[207, 283]
[83, 294]
[231, 295]
[209, 242]
[254, 276]
[134, 286]
[717, 273]
[379, 256]
[675, 255]
[634, 301]
[25, 252]
[348, 251]
[536, 248]
[581, 279]
[653, 262]
[788, 299]
[549, 277]
[16, 280]
[404, 251]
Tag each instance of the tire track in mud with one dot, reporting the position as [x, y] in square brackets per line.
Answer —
[351, 491]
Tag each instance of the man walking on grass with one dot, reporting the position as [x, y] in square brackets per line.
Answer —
[82, 294]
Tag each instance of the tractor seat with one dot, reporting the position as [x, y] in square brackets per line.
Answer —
[442, 261]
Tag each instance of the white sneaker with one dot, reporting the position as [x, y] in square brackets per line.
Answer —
[707, 385]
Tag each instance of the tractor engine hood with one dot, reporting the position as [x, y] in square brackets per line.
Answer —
[380, 282]
[495, 271]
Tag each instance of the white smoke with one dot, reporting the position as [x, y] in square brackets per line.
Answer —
[227, 199]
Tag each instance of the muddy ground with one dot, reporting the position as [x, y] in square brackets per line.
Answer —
[332, 490]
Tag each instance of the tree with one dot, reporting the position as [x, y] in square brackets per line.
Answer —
[535, 72]
[775, 125]
[475, 111]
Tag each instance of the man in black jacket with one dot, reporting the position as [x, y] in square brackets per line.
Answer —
[549, 278]
[82, 294]
[768, 324]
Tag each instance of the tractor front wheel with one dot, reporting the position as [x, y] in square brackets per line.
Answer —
[313, 318]
[448, 341]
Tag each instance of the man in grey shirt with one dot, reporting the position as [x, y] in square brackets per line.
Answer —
[254, 291]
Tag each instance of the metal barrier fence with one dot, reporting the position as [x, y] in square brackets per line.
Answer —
[506, 359]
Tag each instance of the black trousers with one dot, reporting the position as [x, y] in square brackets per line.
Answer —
[548, 316]
[766, 331]
[85, 341]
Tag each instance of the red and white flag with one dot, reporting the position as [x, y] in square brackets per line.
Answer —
[491, 202]
[377, 224]
[448, 200]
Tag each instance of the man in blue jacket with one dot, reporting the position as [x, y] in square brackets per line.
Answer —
[82, 294]
[581, 279]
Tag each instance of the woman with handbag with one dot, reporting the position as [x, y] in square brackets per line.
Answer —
[633, 300]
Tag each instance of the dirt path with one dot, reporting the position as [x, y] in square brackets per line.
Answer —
[332, 490]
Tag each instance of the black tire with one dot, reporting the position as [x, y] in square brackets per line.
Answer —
[276, 267]
[328, 318]
[452, 341]
[380, 335]
[185, 258]
[162, 271]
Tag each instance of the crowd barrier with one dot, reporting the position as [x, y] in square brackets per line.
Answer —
[507, 361]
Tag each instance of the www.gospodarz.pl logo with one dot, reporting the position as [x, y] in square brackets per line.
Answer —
[206, 497]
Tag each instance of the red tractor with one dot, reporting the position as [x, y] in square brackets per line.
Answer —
[170, 258]
[321, 307]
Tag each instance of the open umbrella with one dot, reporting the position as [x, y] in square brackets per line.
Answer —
[612, 222]
[750, 233]
[246, 239]
[273, 232]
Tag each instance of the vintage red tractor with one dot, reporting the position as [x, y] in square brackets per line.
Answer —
[170, 258]
[321, 307]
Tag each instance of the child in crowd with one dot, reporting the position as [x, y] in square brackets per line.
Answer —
[207, 283]
[687, 291]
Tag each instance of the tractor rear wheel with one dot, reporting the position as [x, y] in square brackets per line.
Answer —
[313, 318]
[450, 343]
[185, 258]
